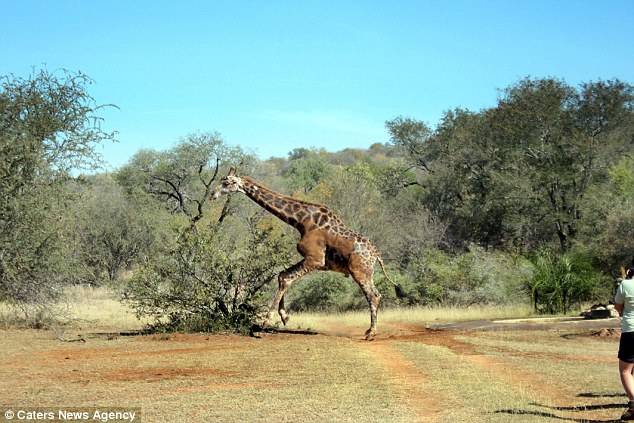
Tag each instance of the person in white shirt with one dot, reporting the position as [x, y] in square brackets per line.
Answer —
[624, 304]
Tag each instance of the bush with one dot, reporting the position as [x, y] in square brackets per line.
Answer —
[434, 277]
[322, 291]
[213, 280]
[333, 292]
[475, 277]
[560, 281]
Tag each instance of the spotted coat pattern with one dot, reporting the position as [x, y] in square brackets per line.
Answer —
[325, 243]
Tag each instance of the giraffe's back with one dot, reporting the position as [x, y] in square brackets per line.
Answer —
[342, 243]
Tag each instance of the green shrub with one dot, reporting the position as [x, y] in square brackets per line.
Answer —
[214, 280]
[475, 277]
[322, 291]
[434, 277]
[559, 281]
[333, 292]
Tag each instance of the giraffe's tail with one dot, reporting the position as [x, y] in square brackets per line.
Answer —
[400, 293]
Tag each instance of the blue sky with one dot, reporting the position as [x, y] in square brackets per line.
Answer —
[272, 76]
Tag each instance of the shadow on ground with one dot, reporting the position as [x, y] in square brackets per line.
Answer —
[517, 412]
[573, 408]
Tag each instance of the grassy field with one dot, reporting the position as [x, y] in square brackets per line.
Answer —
[409, 373]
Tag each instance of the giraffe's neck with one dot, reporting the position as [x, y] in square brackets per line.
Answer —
[277, 204]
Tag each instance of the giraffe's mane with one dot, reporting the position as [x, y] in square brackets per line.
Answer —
[283, 196]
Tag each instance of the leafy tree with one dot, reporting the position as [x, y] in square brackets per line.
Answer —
[110, 231]
[299, 153]
[622, 178]
[305, 172]
[568, 140]
[607, 232]
[223, 256]
[48, 126]
[352, 192]
[516, 174]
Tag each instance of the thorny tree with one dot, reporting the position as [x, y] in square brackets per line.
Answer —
[224, 257]
[48, 126]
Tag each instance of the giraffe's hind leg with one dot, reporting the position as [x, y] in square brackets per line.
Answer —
[363, 276]
[281, 310]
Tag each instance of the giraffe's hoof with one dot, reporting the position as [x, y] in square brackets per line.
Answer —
[370, 334]
[285, 318]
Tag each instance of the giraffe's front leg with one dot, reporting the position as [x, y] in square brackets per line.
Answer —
[285, 279]
[282, 312]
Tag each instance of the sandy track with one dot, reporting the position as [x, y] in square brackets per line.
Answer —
[407, 382]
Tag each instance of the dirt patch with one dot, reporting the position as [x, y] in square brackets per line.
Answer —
[161, 373]
[611, 335]
[409, 333]
[497, 366]
[406, 380]
[538, 323]
[149, 374]
[442, 338]
[196, 338]
[137, 348]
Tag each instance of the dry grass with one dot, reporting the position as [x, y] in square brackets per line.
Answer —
[523, 376]
[203, 378]
[408, 374]
[100, 308]
[82, 307]
[411, 315]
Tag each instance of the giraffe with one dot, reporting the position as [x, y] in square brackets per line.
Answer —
[325, 243]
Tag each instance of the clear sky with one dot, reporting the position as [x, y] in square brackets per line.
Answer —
[275, 75]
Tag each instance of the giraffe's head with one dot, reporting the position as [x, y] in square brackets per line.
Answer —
[228, 184]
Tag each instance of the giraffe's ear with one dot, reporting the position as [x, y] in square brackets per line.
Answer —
[232, 171]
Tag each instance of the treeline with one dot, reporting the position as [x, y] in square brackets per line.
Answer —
[529, 200]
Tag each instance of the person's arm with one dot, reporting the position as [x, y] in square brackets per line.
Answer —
[619, 299]
[619, 309]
